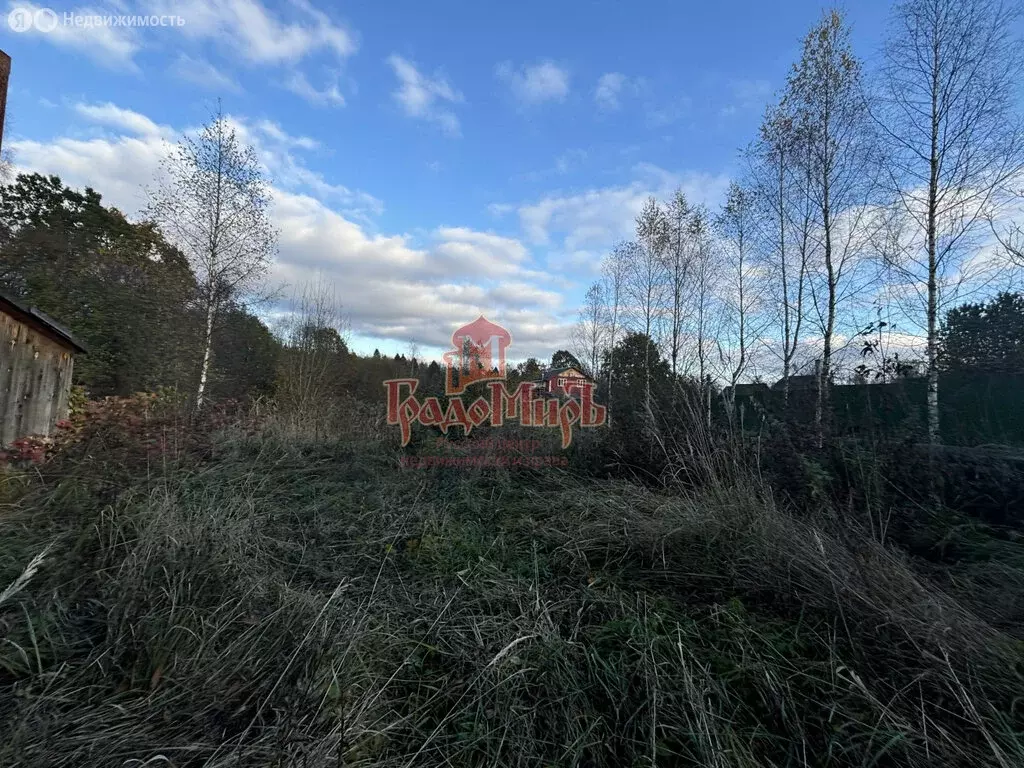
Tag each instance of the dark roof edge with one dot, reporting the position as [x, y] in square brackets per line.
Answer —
[40, 320]
[549, 372]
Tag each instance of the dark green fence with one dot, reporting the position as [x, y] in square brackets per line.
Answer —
[974, 408]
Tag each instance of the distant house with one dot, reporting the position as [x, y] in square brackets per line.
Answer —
[801, 383]
[37, 357]
[562, 382]
[745, 390]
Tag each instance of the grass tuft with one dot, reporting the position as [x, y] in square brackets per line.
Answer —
[308, 603]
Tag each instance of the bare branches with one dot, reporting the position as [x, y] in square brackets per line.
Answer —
[945, 106]
[740, 291]
[213, 203]
[825, 97]
[315, 336]
[678, 263]
[646, 284]
[591, 332]
[779, 183]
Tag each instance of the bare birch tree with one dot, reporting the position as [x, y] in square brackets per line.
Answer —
[779, 182]
[213, 202]
[645, 286]
[615, 272]
[824, 93]
[951, 71]
[678, 257]
[703, 272]
[309, 380]
[591, 330]
[740, 290]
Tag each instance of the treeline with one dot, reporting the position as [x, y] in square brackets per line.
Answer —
[124, 291]
[870, 205]
[134, 301]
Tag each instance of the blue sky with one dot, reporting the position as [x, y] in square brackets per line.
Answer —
[430, 160]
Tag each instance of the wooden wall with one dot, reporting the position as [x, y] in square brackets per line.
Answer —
[35, 378]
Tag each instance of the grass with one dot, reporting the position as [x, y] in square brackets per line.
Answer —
[290, 603]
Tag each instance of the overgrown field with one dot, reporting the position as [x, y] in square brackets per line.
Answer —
[283, 603]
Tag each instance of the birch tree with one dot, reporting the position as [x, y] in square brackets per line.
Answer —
[213, 202]
[703, 271]
[615, 271]
[825, 95]
[740, 291]
[946, 107]
[678, 257]
[779, 182]
[645, 286]
[591, 330]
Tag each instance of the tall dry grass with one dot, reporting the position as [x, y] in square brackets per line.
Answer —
[302, 603]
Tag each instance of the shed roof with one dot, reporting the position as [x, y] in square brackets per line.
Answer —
[797, 381]
[552, 372]
[40, 321]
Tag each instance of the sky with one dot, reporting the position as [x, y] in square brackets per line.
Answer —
[430, 162]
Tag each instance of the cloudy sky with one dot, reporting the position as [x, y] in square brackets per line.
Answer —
[432, 160]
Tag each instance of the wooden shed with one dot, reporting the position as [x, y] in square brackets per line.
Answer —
[37, 357]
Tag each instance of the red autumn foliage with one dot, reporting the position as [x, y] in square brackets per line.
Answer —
[124, 430]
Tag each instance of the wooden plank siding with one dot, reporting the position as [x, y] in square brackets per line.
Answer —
[35, 379]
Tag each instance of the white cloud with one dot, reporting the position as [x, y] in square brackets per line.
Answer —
[115, 117]
[285, 169]
[468, 252]
[535, 83]
[522, 295]
[117, 168]
[595, 219]
[746, 94]
[393, 289]
[612, 87]
[244, 28]
[276, 132]
[607, 92]
[389, 286]
[108, 45]
[423, 97]
[273, 143]
[255, 34]
[330, 95]
[199, 71]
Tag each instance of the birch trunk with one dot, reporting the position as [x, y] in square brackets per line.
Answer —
[932, 311]
[204, 372]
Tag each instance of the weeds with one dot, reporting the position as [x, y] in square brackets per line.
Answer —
[284, 602]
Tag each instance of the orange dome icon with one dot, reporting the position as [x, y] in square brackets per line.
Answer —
[478, 354]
